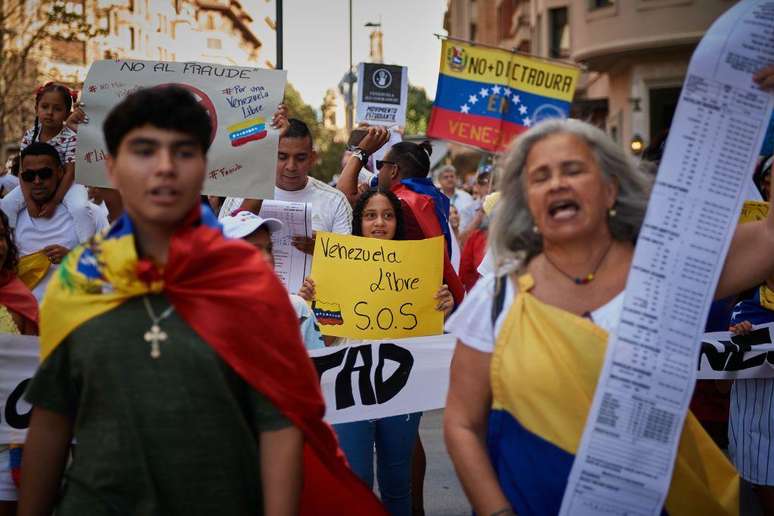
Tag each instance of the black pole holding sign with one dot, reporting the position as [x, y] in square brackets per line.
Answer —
[279, 34]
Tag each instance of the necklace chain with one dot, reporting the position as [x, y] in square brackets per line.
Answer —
[154, 335]
[588, 278]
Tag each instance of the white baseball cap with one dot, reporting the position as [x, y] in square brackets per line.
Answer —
[244, 223]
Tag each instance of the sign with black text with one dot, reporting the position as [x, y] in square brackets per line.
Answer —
[19, 356]
[389, 291]
[382, 94]
[725, 356]
[369, 380]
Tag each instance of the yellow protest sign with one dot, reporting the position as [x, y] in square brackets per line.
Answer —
[368, 288]
[753, 210]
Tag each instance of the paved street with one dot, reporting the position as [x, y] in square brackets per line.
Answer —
[443, 493]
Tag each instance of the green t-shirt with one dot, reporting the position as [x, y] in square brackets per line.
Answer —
[177, 435]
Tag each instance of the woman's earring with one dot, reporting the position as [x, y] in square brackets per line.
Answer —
[611, 212]
[536, 229]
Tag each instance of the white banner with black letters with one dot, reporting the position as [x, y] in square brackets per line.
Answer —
[374, 379]
[18, 362]
[725, 356]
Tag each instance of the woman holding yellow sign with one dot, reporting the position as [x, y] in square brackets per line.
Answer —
[377, 214]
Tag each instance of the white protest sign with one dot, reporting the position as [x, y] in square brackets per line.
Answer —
[382, 94]
[19, 358]
[374, 379]
[290, 264]
[240, 102]
[725, 356]
[650, 364]
[371, 380]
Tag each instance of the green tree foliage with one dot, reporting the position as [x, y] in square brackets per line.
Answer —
[329, 162]
[418, 111]
[329, 152]
[297, 108]
[27, 30]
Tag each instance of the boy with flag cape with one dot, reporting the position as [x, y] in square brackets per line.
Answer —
[173, 356]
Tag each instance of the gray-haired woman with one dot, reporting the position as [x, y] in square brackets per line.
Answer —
[531, 344]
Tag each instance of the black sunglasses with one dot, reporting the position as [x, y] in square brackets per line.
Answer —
[381, 162]
[28, 176]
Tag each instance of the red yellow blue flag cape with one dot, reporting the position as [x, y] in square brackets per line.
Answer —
[487, 96]
[544, 372]
[228, 294]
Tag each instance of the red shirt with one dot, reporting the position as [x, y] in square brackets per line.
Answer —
[472, 255]
[420, 222]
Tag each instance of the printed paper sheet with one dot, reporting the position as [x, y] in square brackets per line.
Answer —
[290, 264]
[632, 432]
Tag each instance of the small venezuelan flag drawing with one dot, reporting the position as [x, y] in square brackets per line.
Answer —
[248, 130]
[327, 313]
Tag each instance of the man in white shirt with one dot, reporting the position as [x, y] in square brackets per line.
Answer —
[295, 159]
[43, 242]
[460, 199]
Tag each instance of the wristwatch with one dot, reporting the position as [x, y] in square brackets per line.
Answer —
[360, 154]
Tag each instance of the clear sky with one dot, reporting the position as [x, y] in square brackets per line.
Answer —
[317, 42]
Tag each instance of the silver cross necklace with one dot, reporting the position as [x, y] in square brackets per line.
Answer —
[155, 334]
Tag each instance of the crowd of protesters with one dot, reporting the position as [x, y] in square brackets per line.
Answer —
[177, 362]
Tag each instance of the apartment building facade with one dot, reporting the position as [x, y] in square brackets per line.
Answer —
[635, 53]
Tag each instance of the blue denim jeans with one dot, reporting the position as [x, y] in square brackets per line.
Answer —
[394, 438]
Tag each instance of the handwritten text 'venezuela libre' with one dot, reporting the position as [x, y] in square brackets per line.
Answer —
[357, 254]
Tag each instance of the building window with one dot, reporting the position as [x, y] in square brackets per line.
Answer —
[132, 39]
[505, 19]
[559, 33]
[600, 4]
[68, 52]
[210, 22]
[214, 43]
[472, 32]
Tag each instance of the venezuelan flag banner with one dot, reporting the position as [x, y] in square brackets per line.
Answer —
[487, 96]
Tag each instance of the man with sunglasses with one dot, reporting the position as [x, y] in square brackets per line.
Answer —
[43, 242]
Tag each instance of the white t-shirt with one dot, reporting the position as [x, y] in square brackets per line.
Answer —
[472, 322]
[8, 182]
[464, 203]
[330, 209]
[33, 234]
[487, 265]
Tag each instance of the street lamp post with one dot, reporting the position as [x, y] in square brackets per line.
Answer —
[350, 78]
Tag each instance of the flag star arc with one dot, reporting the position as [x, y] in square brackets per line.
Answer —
[527, 121]
[464, 108]
[496, 89]
[472, 99]
[484, 92]
[522, 109]
[507, 92]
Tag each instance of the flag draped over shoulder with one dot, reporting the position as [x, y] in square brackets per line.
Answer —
[487, 96]
[15, 296]
[227, 293]
[544, 372]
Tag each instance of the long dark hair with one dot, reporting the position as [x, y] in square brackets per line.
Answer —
[12, 253]
[68, 96]
[412, 159]
[362, 202]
